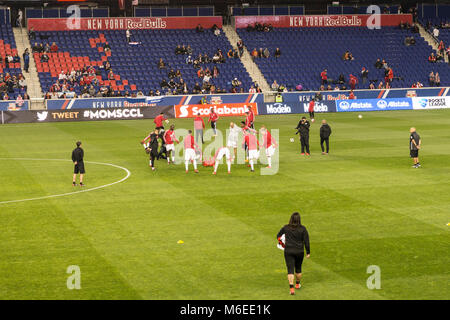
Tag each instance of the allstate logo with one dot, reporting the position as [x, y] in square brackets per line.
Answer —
[382, 104]
[423, 102]
[344, 105]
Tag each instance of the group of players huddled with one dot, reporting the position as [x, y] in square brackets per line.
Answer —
[192, 150]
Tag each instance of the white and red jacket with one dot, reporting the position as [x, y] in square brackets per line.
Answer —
[189, 142]
[199, 124]
[159, 120]
[213, 117]
[251, 141]
[169, 137]
[268, 140]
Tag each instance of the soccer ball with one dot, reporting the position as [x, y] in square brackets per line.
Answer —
[167, 121]
[360, 116]
[291, 139]
[312, 120]
[281, 242]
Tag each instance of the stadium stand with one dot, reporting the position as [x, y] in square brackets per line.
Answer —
[306, 52]
[135, 64]
[9, 72]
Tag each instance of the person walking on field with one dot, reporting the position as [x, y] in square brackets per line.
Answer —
[296, 241]
[325, 132]
[303, 129]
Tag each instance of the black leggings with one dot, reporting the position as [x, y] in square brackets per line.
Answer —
[304, 141]
[327, 142]
[153, 156]
[294, 260]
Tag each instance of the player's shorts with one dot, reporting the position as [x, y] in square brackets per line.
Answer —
[414, 153]
[224, 152]
[79, 168]
[231, 144]
[189, 154]
[170, 147]
[253, 154]
[270, 151]
[293, 261]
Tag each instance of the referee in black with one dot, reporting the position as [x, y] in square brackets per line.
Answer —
[303, 129]
[414, 147]
[153, 148]
[296, 241]
[77, 158]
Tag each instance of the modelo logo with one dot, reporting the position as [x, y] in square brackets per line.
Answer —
[344, 105]
[113, 114]
[278, 108]
[318, 107]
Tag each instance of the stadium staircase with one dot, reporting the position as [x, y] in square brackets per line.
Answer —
[33, 85]
[430, 40]
[246, 59]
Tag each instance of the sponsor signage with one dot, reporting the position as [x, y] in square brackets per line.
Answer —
[226, 109]
[66, 104]
[374, 104]
[295, 107]
[331, 21]
[11, 105]
[84, 114]
[422, 103]
[61, 24]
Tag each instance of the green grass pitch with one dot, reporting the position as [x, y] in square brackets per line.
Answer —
[363, 205]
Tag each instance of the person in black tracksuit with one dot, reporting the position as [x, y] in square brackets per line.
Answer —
[296, 241]
[303, 129]
[77, 158]
[152, 148]
[325, 132]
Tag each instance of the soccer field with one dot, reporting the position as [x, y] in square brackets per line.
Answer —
[363, 205]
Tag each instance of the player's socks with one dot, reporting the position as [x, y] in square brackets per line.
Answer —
[81, 184]
[229, 166]
[195, 164]
[269, 160]
[74, 183]
[251, 165]
[173, 159]
[186, 164]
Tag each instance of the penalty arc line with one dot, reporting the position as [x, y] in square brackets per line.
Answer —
[68, 193]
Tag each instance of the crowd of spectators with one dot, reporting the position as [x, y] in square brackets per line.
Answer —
[261, 27]
[10, 82]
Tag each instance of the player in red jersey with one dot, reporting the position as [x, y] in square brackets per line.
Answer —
[189, 151]
[213, 117]
[312, 103]
[159, 121]
[269, 144]
[250, 118]
[169, 138]
[222, 152]
[252, 144]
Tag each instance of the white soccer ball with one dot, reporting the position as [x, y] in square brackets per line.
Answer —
[291, 139]
[167, 121]
[360, 116]
[312, 120]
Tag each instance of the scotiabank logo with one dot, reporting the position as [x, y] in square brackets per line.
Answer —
[113, 113]
[226, 109]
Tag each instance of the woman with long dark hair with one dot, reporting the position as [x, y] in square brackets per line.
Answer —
[296, 241]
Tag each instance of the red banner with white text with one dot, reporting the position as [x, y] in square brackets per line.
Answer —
[225, 109]
[69, 24]
[385, 20]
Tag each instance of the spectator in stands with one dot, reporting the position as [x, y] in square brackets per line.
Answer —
[341, 79]
[230, 54]
[26, 60]
[364, 75]
[250, 28]
[217, 32]
[189, 60]
[431, 79]
[378, 64]
[282, 88]
[164, 85]
[26, 96]
[441, 47]
[274, 86]
[236, 83]
[16, 58]
[351, 95]
[324, 77]
[161, 64]
[128, 35]
[111, 75]
[44, 58]
[91, 91]
[200, 72]
[266, 53]
[437, 80]
[215, 72]
[178, 73]
[371, 86]
[199, 28]
[197, 89]
[216, 58]
[277, 53]
[240, 46]
[178, 50]
[196, 64]
[329, 88]
[380, 85]
[106, 47]
[54, 47]
[184, 49]
[254, 53]
[436, 32]
[32, 34]
[348, 56]
[171, 74]
[389, 75]
[172, 84]
[261, 53]
[35, 47]
[252, 89]
[47, 48]
[432, 58]
[107, 65]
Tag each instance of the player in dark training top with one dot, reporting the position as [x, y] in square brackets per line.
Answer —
[151, 146]
[77, 158]
[414, 146]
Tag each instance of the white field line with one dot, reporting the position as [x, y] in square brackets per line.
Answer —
[68, 193]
